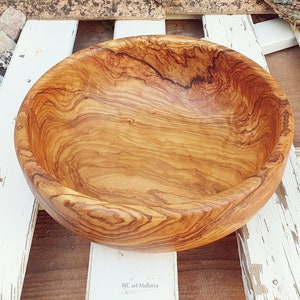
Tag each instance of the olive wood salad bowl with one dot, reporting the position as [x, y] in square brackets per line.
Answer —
[154, 143]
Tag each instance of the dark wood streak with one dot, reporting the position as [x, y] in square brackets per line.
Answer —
[154, 143]
[169, 53]
[286, 121]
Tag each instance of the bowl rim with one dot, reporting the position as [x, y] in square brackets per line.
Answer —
[37, 177]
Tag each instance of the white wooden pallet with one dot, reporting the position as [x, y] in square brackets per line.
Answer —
[269, 243]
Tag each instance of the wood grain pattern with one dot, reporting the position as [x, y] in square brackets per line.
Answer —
[154, 143]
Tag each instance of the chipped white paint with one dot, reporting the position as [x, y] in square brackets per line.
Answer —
[268, 244]
[115, 274]
[235, 32]
[40, 46]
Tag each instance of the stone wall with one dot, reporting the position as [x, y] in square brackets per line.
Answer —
[11, 23]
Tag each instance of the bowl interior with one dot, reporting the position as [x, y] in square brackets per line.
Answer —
[144, 121]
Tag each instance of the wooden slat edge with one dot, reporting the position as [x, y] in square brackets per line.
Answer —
[126, 28]
[274, 35]
[40, 46]
[297, 152]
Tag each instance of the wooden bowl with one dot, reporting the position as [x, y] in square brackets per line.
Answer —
[154, 143]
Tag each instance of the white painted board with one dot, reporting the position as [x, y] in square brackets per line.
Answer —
[274, 35]
[124, 275]
[269, 243]
[127, 28]
[41, 45]
[235, 32]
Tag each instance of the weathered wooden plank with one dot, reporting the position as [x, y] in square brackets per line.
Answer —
[127, 9]
[269, 243]
[274, 35]
[115, 274]
[235, 32]
[40, 46]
